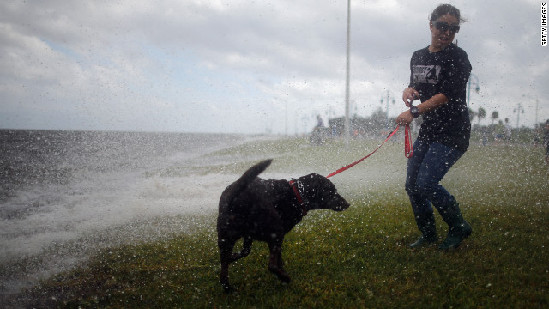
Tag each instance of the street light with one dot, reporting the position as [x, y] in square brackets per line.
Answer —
[347, 87]
[518, 110]
[530, 97]
[389, 99]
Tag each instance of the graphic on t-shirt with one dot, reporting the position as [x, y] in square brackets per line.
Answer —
[425, 73]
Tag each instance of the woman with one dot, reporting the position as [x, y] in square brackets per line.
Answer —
[439, 74]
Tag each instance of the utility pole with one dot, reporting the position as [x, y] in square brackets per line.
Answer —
[389, 97]
[518, 110]
[531, 97]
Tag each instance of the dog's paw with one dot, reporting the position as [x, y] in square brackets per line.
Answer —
[284, 278]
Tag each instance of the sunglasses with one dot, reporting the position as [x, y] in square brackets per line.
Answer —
[444, 26]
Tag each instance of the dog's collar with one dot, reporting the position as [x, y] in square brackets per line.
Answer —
[295, 186]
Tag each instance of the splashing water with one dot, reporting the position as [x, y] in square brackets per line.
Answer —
[65, 194]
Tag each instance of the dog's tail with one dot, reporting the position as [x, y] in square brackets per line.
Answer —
[244, 180]
[242, 183]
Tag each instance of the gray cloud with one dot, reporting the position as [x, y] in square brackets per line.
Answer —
[214, 65]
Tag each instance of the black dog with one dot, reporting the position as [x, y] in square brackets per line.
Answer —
[266, 210]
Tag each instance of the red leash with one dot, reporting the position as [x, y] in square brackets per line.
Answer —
[408, 142]
[408, 149]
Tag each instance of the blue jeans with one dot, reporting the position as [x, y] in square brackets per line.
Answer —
[426, 168]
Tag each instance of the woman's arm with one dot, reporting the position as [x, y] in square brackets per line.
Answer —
[433, 103]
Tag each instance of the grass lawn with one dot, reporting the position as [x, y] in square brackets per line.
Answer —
[352, 259]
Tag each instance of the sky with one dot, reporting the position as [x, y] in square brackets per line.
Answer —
[251, 67]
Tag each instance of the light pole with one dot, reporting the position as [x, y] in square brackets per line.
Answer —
[347, 87]
[518, 110]
[477, 87]
[286, 120]
[389, 94]
[537, 106]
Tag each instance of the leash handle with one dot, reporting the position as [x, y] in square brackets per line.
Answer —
[408, 143]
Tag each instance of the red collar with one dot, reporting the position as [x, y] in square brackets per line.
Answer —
[293, 184]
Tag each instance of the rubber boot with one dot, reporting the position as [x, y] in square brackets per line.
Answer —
[458, 228]
[428, 229]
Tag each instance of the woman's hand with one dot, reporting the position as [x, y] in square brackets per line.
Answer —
[405, 118]
[409, 95]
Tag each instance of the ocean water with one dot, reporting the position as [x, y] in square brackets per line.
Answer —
[63, 194]
[66, 194]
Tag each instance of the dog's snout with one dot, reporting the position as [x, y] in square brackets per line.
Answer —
[340, 204]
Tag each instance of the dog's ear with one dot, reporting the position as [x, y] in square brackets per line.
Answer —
[311, 177]
[309, 180]
[314, 181]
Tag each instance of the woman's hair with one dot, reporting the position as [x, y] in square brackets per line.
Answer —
[444, 9]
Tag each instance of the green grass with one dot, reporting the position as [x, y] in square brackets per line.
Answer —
[354, 259]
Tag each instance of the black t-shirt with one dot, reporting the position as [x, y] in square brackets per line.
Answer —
[445, 72]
